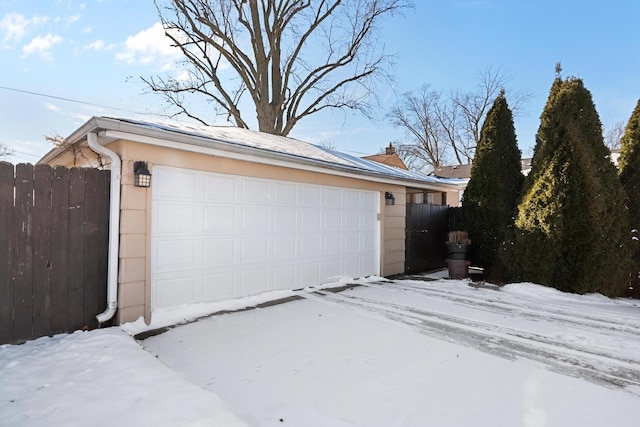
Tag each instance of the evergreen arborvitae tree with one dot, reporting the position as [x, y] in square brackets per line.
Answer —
[572, 230]
[491, 197]
[629, 172]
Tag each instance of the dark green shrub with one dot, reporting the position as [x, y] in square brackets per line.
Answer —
[572, 230]
[491, 196]
[629, 168]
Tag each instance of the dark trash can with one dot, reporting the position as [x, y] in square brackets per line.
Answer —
[458, 268]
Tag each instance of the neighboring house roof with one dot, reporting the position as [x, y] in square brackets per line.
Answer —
[389, 158]
[464, 171]
[455, 171]
[242, 143]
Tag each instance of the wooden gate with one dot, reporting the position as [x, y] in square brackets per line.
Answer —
[53, 249]
[427, 226]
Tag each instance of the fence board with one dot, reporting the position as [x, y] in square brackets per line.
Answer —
[103, 238]
[91, 252]
[6, 251]
[42, 251]
[23, 255]
[75, 257]
[59, 241]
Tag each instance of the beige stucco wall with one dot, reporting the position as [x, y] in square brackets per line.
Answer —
[135, 237]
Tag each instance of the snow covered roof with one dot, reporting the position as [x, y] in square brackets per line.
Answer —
[234, 139]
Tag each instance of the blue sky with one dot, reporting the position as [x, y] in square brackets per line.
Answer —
[94, 51]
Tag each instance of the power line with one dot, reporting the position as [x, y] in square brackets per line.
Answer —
[61, 98]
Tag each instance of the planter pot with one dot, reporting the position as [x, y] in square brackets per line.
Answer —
[457, 251]
[458, 268]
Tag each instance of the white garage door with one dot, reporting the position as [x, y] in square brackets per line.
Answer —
[221, 236]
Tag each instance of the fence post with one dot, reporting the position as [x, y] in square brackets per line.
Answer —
[6, 251]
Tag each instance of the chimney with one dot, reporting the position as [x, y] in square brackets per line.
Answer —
[390, 149]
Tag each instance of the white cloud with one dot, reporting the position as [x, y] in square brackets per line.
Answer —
[13, 26]
[87, 30]
[52, 107]
[74, 18]
[149, 46]
[99, 45]
[41, 45]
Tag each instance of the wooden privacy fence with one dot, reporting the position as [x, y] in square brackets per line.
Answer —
[53, 249]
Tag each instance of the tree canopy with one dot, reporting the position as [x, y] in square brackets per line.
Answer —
[290, 58]
[491, 197]
[629, 169]
[572, 230]
[444, 129]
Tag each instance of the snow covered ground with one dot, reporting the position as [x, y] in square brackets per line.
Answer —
[401, 353]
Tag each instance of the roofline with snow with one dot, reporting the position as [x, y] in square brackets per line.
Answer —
[112, 129]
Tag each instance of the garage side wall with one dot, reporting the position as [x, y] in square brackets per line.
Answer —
[393, 234]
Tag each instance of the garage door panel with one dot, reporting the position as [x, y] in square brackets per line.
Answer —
[254, 220]
[219, 251]
[350, 199]
[350, 242]
[175, 255]
[218, 286]
[284, 277]
[219, 219]
[219, 188]
[367, 264]
[284, 247]
[231, 236]
[284, 220]
[310, 220]
[368, 221]
[310, 196]
[177, 289]
[351, 266]
[367, 242]
[284, 194]
[331, 268]
[176, 218]
[177, 184]
[331, 220]
[254, 248]
[351, 220]
[309, 272]
[368, 201]
[254, 281]
[255, 191]
[310, 245]
[332, 198]
[331, 244]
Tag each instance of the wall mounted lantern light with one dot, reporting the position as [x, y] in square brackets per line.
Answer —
[389, 198]
[141, 175]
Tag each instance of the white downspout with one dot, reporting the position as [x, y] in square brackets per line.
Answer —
[114, 226]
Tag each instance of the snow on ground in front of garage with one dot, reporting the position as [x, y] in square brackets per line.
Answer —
[401, 353]
[99, 378]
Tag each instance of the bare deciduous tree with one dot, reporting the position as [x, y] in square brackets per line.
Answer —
[5, 151]
[447, 128]
[613, 132]
[292, 58]
[421, 115]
